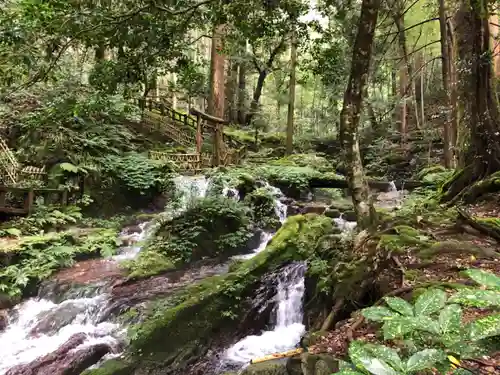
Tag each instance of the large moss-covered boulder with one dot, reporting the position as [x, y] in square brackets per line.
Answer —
[212, 227]
[175, 338]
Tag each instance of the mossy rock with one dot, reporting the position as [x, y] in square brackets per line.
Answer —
[273, 367]
[318, 364]
[174, 338]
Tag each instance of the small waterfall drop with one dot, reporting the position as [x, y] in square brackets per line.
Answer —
[289, 315]
[190, 188]
[38, 326]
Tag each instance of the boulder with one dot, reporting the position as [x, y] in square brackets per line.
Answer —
[176, 338]
[333, 213]
[4, 320]
[68, 359]
[349, 216]
[273, 367]
[318, 364]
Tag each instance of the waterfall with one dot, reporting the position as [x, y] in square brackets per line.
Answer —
[190, 188]
[288, 312]
[39, 326]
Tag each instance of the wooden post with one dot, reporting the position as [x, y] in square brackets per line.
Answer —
[3, 195]
[150, 104]
[64, 198]
[162, 108]
[28, 203]
[216, 145]
[199, 137]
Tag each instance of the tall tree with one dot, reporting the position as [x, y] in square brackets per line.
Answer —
[483, 154]
[291, 95]
[351, 110]
[446, 74]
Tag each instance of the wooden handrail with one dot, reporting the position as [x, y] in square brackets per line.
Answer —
[207, 117]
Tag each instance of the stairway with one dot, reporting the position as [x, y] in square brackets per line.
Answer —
[10, 168]
[9, 165]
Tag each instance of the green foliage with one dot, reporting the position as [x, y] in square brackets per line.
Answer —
[38, 257]
[431, 331]
[262, 203]
[43, 218]
[314, 161]
[215, 226]
[137, 172]
[147, 263]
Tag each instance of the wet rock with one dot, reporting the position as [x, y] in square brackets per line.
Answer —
[69, 359]
[349, 216]
[314, 209]
[53, 320]
[293, 366]
[4, 320]
[90, 272]
[6, 301]
[342, 205]
[333, 213]
[318, 364]
[273, 367]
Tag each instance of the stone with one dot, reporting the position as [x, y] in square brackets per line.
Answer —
[4, 320]
[349, 216]
[326, 365]
[65, 360]
[51, 321]
[333, 213]
[314, 209]
[293, 366]
[272, 367]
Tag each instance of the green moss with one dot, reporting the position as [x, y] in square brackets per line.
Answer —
[173, 336]
[212, 227]
[273, 367]
[146, 264]
[306, 160]
[110, 367]
[405, 237]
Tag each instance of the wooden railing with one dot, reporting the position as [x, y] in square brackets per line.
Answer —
[185, 162]
[12, 168]
[20, 201]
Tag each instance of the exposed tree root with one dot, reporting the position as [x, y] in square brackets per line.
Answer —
[489, 230]
[330, 319]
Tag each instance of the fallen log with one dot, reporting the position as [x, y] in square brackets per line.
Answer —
[338, 183]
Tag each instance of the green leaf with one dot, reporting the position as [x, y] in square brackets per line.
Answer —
[399, 305]
[378, 313]
[430, 301]
[349, 372]
[398, 327]
[485, 278]
[476, 297]
[427, 324]
[450, 319]
[68, 167]
[377, 367]
[14, 232]
[357, 351]
[386, 354]
[425, 359]
[482, 328]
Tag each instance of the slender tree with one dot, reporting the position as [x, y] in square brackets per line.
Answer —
[351, 110]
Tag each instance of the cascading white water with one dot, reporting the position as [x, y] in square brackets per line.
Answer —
[289, 315]
[231, 193]
[38, 326]
[43, 326]
[190, 188]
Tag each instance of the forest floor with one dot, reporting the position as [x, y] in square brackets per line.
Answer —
[461, 247]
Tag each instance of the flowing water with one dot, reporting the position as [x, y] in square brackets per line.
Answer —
[288, 327]
[39, 326]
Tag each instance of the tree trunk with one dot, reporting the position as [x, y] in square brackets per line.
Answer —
[351, 109]
[254, 106]
[216, 97]
[242, 94]
[483, 155]
[291, 95]
[445, 68]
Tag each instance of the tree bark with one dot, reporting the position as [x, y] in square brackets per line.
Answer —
[445, 69]
[483, 155]
[351, 109]
[216, 97]
[291, 95]
[242, 93]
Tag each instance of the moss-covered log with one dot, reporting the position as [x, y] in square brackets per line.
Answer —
[173, 339]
